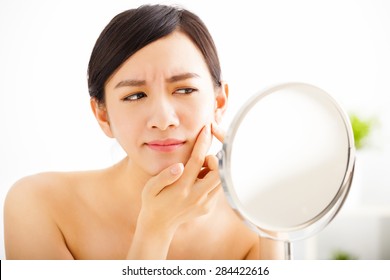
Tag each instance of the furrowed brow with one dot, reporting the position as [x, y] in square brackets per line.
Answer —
[175, 78]
[181, 77]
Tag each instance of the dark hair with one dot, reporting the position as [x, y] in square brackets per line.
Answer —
[133, 29]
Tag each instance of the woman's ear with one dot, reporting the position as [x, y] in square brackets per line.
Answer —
[221, 101]
[101, 115]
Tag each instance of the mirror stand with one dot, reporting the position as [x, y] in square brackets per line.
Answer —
[287, 250]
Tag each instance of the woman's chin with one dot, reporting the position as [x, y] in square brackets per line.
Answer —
[156, 168]
[156, 164]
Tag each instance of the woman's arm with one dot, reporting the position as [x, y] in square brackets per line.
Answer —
[29, 230]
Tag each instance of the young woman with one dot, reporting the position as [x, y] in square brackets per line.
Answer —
[155, 85]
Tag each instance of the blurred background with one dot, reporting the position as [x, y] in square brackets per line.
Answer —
[341, 46]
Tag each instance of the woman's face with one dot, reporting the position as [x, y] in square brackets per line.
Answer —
[158, 101]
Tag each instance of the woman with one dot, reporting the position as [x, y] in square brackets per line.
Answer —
[155, 85]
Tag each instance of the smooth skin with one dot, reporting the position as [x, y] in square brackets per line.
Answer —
[157, 203]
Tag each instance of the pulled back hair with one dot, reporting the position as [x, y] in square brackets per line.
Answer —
[133, 29]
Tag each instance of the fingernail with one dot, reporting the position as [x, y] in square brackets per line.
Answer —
[177, 168]
[207, 129]
[214, 126]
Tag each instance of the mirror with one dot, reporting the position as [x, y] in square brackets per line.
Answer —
[287, 161]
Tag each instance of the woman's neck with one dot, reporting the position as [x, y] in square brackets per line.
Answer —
[128, 177]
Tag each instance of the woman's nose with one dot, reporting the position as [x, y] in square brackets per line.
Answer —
[163, 114]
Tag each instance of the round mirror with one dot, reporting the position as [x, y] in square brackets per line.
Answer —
[287, 161]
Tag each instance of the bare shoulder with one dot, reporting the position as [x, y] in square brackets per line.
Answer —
[31, 230]
[37, 183]
[34, 189]
[41, 189]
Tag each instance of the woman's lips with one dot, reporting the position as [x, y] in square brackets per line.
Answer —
[167, 145]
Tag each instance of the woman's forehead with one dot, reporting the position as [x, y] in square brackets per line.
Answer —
[169, 56]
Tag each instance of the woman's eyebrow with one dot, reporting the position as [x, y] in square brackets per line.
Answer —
[181, 77]
[131, 83]
[175, 78]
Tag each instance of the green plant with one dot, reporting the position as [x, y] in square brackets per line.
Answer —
[343, 255]
[361, 129]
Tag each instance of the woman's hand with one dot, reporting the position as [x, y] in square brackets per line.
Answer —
[218, 132]
[179, 194]
[176, 195]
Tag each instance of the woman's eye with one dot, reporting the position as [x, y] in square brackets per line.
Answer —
[185, 90]
[135, 96]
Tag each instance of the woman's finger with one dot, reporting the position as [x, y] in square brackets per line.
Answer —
[210, 179]
[218, 132]
[197, 157]
[210, 163]
[165, 178]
